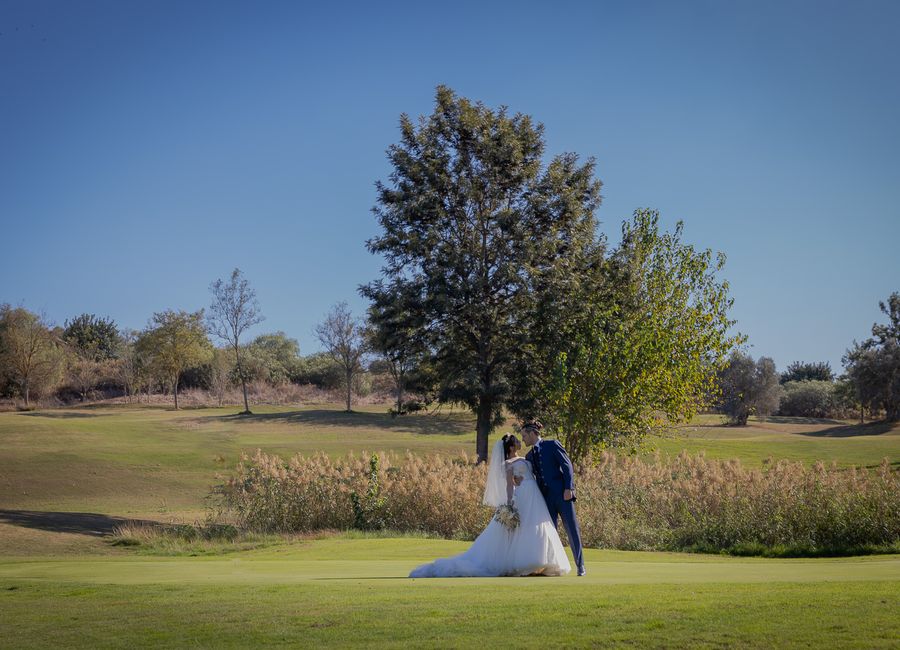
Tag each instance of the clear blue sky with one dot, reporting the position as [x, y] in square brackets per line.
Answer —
[147, 148]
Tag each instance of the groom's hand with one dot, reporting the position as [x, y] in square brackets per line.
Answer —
[517, 480]
[567, 495]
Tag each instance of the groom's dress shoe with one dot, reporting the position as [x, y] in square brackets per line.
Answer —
[581, 571]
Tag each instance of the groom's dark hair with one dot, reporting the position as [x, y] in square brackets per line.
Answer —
[534, 425]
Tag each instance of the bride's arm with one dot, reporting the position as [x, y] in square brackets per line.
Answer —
[510, 484]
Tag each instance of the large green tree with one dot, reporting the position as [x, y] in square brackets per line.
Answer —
[173, 342]
[636, 344]
[469, 218]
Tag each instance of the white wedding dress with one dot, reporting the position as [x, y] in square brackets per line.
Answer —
[533, 547]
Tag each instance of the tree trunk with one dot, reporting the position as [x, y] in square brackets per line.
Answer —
[483, 428]
[349, 388]
[25, 384]
[240, 369]
[176, 392]
[244, 388]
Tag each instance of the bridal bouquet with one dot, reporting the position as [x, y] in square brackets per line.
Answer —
[508, 516]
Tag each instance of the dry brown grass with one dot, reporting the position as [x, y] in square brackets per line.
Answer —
[687, 502]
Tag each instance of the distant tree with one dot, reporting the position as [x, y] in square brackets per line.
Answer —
[642, 335]
[767, 390]
[276, 357]
[127, 365]
[470, 218]
[83, 372]
[92, 338]
[234, 310]
[31, 355]
[221, 365]
[874, 365]
[174, 342]
[802, 371]
[813, 398]
[319, 369]
[748, 387]
[343, 337]
[846, 399]
[396, 335]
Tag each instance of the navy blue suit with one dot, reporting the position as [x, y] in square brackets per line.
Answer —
[555, 474]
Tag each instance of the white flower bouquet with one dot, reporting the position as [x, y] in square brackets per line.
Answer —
[508, 516]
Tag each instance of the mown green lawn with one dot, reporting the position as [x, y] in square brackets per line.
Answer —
[353, 592]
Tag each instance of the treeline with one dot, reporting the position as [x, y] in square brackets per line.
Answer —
[870, 385]
[91, 357]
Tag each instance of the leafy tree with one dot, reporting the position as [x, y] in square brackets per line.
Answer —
[874, 365]
[174, 342]
[748, 387]
[343, 337]
[812, 398]
[469, 221]
[31, 355]
[320, 370]
[802, 371]
[276, 357]
[234, 310]
[92, 338]
[642, 336]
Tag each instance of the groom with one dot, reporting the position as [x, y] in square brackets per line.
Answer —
[555, 476]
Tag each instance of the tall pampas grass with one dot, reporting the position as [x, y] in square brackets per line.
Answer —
[624, 502]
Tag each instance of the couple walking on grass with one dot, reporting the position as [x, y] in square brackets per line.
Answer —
[531, 494]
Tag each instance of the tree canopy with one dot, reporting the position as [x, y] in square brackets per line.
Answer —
[470, 218]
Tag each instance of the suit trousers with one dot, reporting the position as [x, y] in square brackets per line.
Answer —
[560, 507]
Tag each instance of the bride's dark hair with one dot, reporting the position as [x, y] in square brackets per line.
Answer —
[509, 443]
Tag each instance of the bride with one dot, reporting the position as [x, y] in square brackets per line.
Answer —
[531, 548]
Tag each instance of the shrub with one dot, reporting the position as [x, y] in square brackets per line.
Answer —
[808, 398]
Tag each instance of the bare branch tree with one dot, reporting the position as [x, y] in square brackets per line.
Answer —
[233, 311]
[343, 338]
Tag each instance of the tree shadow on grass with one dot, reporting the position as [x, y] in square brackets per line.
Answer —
[796, 419]
[853, 430]
[82, 523]
[60, 415]
[453, 424]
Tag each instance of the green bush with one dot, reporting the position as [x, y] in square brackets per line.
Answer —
[808, 398]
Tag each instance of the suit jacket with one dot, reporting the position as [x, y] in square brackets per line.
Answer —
[556, 468]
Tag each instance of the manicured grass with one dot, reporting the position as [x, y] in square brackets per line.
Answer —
[797, 439]
[353, 592]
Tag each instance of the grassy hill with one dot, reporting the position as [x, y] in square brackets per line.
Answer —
[146, 462]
